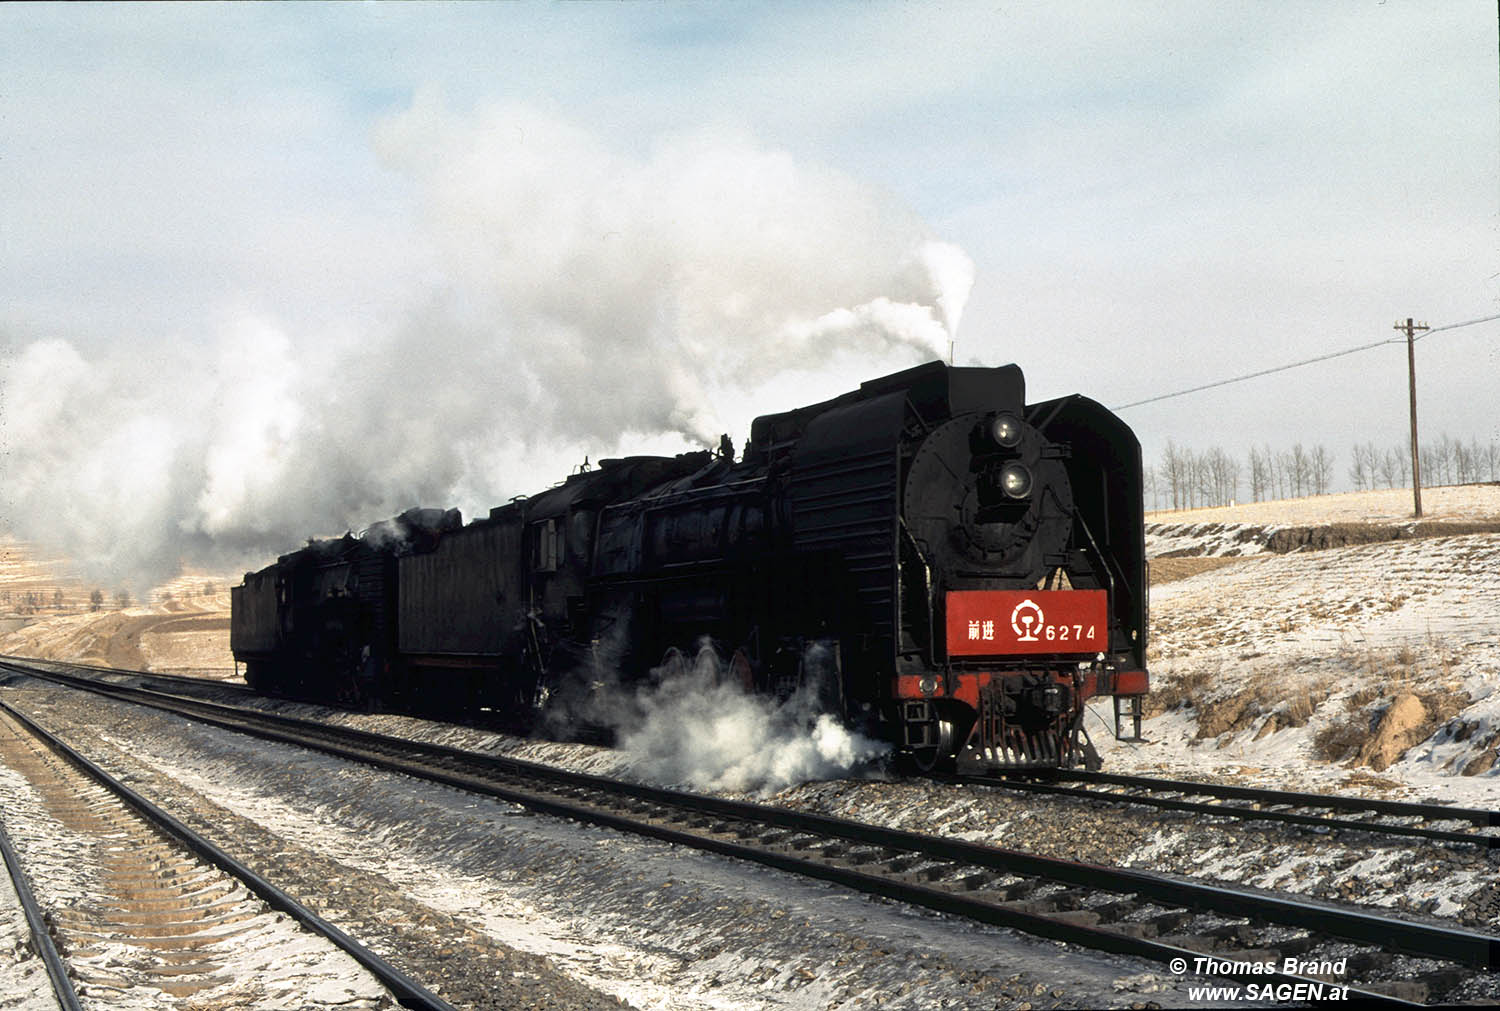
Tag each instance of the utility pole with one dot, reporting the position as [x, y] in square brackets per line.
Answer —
[1411, 372]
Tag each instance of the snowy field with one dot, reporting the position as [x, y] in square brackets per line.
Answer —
[1449, 503]
[1370, 667]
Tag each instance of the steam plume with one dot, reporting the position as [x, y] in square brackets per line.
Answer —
[583, 298]
[694, 727]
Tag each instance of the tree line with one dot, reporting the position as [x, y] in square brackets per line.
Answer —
[1196, 479]
[33, 602]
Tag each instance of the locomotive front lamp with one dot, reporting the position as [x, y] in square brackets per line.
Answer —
[1016, 480]
[1005, 429]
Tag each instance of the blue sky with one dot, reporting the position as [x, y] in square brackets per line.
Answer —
[524, 196]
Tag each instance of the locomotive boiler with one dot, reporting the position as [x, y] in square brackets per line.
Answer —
[929, 557]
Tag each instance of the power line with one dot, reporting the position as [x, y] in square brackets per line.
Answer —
[1450, 326]
[1296, 365]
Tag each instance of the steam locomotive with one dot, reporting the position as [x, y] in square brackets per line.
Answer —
[929, 557]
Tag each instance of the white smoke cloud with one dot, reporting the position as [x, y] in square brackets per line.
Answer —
[651, 285]
[583, 300]
[696, 729]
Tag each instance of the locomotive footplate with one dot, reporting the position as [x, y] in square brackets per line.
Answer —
[1024, 722]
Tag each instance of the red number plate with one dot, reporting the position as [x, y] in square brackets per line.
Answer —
[1004, 622]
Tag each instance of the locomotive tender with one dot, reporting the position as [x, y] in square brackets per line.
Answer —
[929, 557]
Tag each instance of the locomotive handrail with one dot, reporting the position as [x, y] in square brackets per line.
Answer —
[1057, 407]
[661, 499]
[1105, 559]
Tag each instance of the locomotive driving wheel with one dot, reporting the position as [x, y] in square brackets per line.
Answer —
[741, 671]
[938, 754]
[674, 664]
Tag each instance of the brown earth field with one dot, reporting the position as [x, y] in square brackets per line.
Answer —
[181, 627]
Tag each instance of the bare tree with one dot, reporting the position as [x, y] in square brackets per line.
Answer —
[1321, 462]
[1202, 482]
[1222, 477]
[1468, 461]
[1364, 465]
[1437, 462]
[1281, 474]
[1150, 489]
[122, 599]
[1174, 468]
[1395, 467]
[1260, 475]
[1232, 473]
[96, 599]
[1297, 466]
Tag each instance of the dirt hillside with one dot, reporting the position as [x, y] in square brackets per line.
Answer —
[46, 612]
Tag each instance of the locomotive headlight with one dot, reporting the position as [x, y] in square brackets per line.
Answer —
[1005, 429]
[1016, 480]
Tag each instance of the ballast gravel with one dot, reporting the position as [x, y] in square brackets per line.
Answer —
[502, 908]
[1414, 877]
[260, 959]
[24, 984]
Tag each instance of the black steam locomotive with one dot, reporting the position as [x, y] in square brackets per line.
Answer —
[929, 557]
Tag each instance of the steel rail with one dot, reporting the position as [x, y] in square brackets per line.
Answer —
[1340, 802]
[1479, 817]
[407, 991]
[41, 937]
[186, 679]
[520, 782]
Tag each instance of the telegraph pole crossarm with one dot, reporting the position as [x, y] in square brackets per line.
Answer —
[1411, 371]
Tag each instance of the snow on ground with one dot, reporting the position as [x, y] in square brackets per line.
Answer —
[267, 959]
[1296, 668]
[24, 984]
[659, 926]
[1453, 503]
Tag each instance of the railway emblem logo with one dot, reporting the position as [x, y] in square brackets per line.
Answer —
[1026, 620]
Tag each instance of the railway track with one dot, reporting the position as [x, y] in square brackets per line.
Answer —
[187, 683]
[1323, 812]
[1314, 949]
[163, 902]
